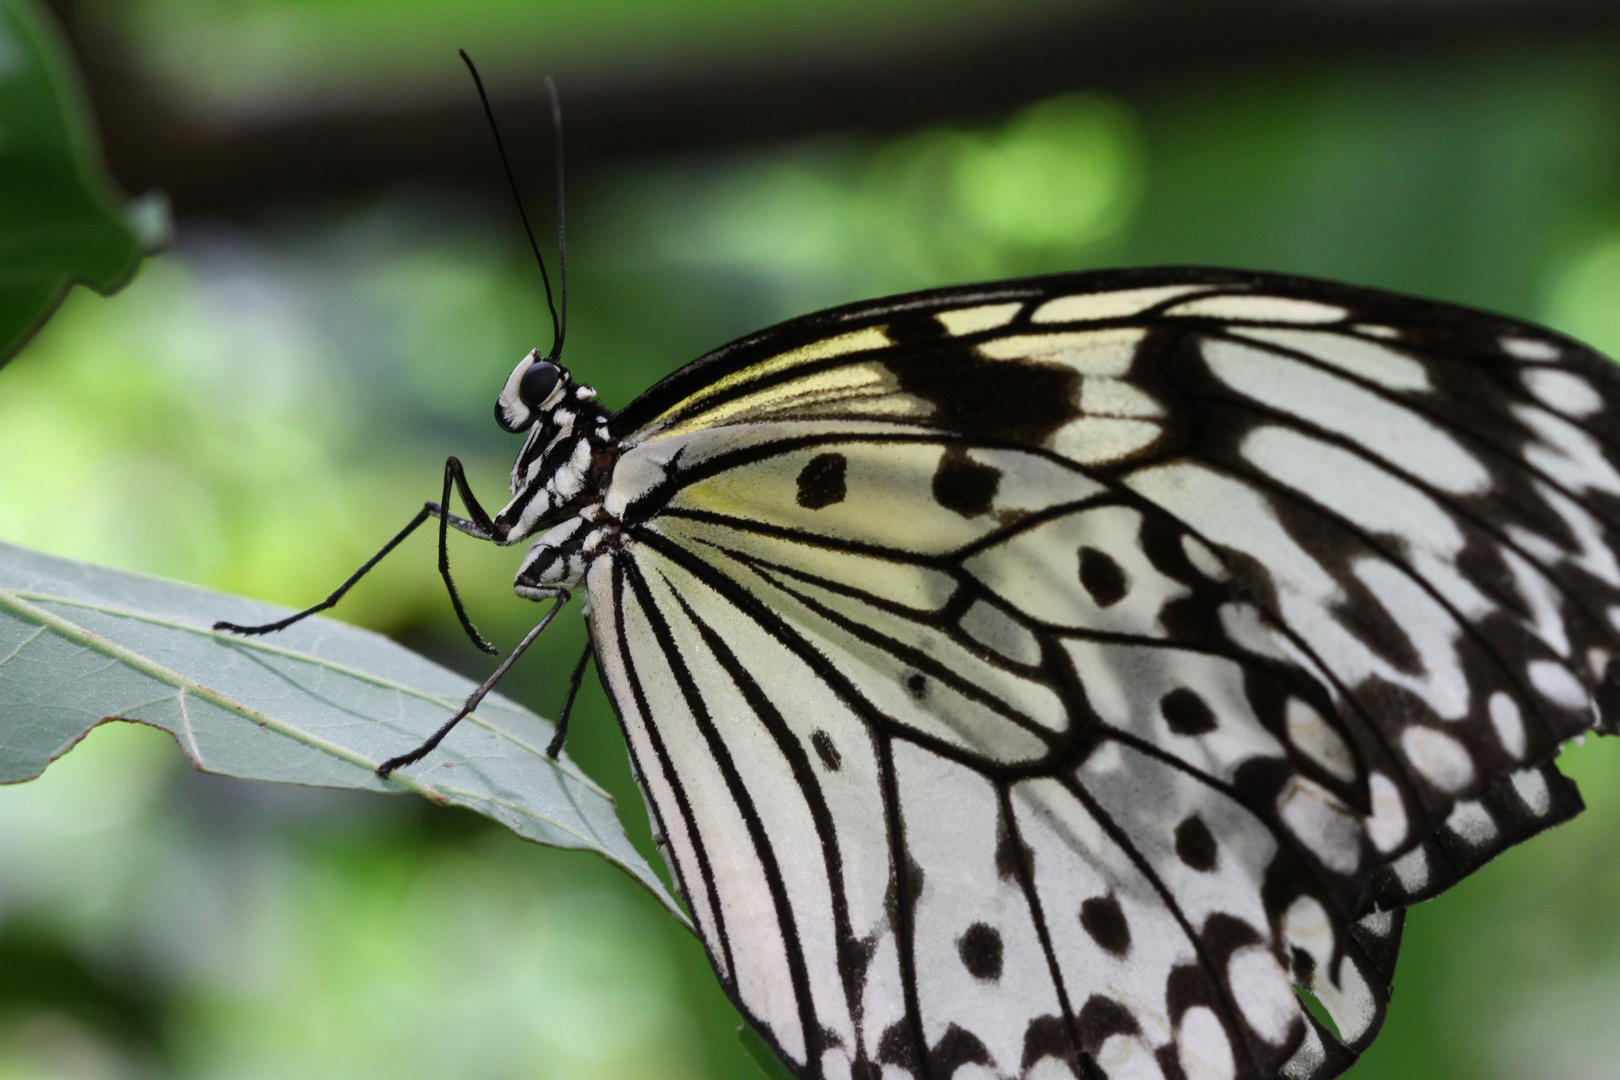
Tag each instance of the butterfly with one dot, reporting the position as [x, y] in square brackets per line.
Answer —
[1068, 677]
[1051, 677]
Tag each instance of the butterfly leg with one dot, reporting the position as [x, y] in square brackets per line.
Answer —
[476, 696]
[479, 526]
[568, 703]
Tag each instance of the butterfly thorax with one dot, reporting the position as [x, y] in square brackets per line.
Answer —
[559, 476]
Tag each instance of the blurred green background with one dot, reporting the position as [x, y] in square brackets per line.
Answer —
[348, 288]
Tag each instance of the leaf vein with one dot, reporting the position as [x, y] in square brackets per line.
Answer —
[29, 640]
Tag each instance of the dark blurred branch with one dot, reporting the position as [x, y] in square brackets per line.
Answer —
[1129, 46]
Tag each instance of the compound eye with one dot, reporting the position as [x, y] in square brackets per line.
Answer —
[538, 383]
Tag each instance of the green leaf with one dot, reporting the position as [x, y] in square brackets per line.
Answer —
[61, 220]
[319, 703]
[763, 1055]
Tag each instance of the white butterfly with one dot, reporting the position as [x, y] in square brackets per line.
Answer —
[1046, 678]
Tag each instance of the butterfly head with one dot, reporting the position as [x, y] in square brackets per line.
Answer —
[568, 452]
[536, 387]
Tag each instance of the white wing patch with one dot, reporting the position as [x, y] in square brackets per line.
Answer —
[1371, 361]
[1525, 348]
[1109, 353]
[1266, 308]
[1098, 306]
[975, 319]
[1343, 408]
[1562, 391]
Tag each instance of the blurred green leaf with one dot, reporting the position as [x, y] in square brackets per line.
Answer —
[763, 1056]
[320, 703]
[61, 220]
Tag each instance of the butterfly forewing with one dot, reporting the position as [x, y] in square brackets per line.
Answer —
[1045, 678]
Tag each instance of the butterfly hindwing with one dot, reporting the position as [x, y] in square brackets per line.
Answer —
[1161, 816]
[1053, 675]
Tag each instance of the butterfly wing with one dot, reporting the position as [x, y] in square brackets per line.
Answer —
[1040, 677]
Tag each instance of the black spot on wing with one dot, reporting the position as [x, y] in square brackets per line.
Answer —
[854, 960]
[1013, 856]
[821, 481]
[1190, 985]
[980, 950]
[1169, 1062]
[1103, 578]
[917, 328]
[825, 750]
[866, 1070]
[1195, 845]
[1003, 399]
[1101, 1018]
[955, 1049]
[1303, 967]
[1186, 713]
[896, 1048]
[1104, 920]
[917, 685]
[1048, 1036]
[1225, 934]
[964, 485]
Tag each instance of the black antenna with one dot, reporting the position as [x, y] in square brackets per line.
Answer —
[562, 234]
[558, 324]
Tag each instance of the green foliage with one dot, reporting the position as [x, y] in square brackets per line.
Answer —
[60, 219]
[320, 704]
[1050, 189]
